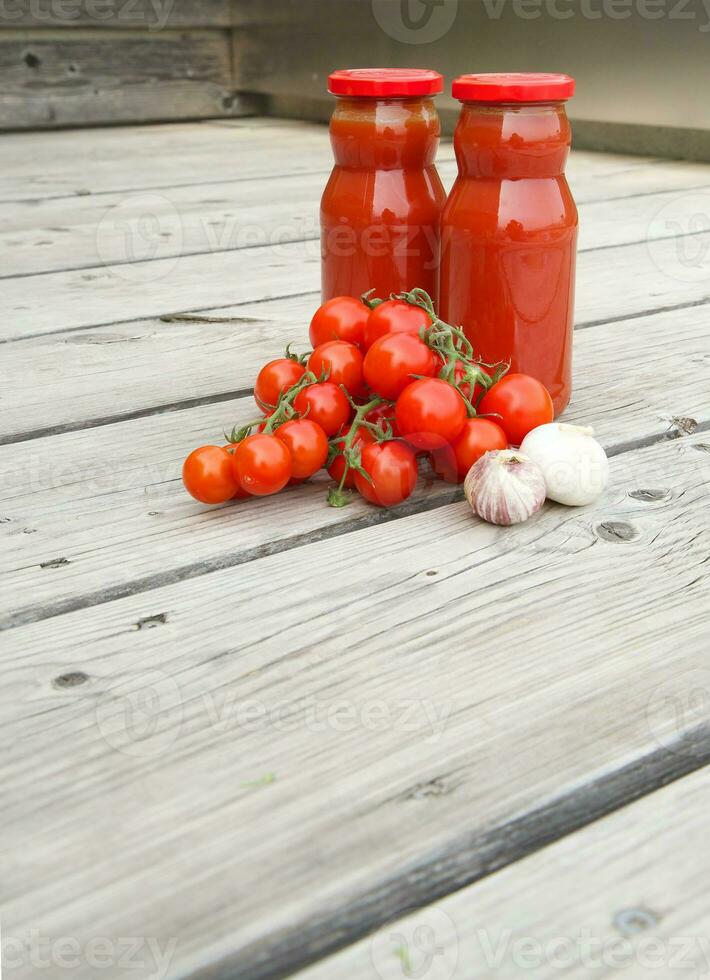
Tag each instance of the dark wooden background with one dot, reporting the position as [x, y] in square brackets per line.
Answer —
[642, 80]
[88, 62]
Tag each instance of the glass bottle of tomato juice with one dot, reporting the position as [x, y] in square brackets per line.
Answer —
[381, 209]
[509, 230]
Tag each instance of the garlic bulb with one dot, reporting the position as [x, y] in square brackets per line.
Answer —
[505, 487]
[574, 464]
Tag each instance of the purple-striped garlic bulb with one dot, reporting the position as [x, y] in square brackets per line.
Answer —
[505, 487]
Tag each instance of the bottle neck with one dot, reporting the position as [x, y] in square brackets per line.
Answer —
[385, 134]
[512, 141]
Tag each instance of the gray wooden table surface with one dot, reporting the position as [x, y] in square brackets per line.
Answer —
[247, 740]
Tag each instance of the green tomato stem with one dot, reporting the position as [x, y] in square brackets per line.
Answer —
[337, 497]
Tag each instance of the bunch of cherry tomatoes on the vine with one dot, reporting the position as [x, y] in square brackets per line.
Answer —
[386, 381]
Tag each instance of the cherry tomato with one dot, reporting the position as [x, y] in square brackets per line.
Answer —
[341, 318]
[518, 403]
[275, 378]
[307, 444]
[477, 437]
[430, 413]
[381, 415]
[340, 363]
[262, 464]
[207, 475]
[393, 469]
[240, 493]
[326, 404]
[337, 467]
[394, 316]
[392, 360]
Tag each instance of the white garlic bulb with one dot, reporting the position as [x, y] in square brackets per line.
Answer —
[505, 487]
[574, 464]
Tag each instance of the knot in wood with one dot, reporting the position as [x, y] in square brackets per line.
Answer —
[616, 531]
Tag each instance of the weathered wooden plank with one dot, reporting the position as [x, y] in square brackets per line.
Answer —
[217, 151]
[612, 283]
[84, 232]
[637, 878]
[82, 524]
[59, 234]
[106, 374]
[143, 15]
[315, 816]
[160, 156]
[118, 293]
[83, 77]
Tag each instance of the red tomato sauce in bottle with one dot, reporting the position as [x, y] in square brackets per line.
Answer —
[509, 230]
[381, 209]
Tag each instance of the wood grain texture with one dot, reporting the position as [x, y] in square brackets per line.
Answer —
[118, 293]
[625, 897]
[80, 232]
[225, 150]
[126, 229]
[612, 283]
[96, 376]
[122, 522]
[220, 218]
[260, 841]
[85, 76]
[253, 735]
[161, 156]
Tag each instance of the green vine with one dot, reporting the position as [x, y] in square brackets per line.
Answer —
[282, 412]
[338, 496]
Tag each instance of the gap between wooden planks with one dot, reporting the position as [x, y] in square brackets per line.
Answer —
[612, 283]
[597, 613]
[138, 158]
[45, 303]
[80, 379]
[99, 513]
[219, 941]
[638, 878]
[82, 232]
[156, 157]
[101, 372]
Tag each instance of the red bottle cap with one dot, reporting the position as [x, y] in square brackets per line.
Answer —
[385, 82]
[513, 87]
